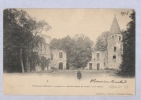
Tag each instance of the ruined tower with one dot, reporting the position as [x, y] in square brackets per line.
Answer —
[114, 48]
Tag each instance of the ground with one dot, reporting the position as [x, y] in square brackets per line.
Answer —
[73, 73]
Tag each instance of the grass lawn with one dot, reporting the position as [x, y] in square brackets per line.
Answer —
[73, 73]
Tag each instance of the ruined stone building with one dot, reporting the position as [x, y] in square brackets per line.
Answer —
[111, 58]
[43, 49]
[98, 61]
[58, 59]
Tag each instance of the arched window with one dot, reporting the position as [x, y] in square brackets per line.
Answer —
[114, 57]
[60, 65]
[119, 38]
[115, 49]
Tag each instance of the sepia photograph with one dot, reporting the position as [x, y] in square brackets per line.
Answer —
[69, 51]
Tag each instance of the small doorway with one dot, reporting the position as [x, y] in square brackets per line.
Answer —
[60, 65]
[90, 66]
[98, 66]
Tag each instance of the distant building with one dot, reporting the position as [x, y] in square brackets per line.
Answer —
[58, 59]
[98, 61]
[111, 58]
[115, 46]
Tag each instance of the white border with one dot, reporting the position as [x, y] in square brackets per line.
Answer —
[134, 4]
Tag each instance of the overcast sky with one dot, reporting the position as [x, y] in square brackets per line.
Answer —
[90, 22]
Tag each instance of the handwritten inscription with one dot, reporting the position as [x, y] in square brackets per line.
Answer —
[115, 86]
[105, 81]
[124, 13]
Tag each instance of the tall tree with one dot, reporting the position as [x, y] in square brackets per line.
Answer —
[20, 30]
[128, 64]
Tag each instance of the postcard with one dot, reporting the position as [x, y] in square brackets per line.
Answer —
[69, 52]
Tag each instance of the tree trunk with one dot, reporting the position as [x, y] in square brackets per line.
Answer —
[26, 64]
[26, 61]
[21, 59]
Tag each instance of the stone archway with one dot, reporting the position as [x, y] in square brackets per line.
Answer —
[60, 66]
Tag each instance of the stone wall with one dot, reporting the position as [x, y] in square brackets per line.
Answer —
[57, 61]
[98, 61]
[43, 50]
[114, 50]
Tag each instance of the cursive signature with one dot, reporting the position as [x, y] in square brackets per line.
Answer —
[107, 81]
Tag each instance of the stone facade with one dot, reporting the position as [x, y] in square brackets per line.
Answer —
[43, 51]
[98, 61]
[114, 50]
[58, 59]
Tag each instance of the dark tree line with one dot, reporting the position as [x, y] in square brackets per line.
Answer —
[128, 64]
[78, 49]
[20, 33]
